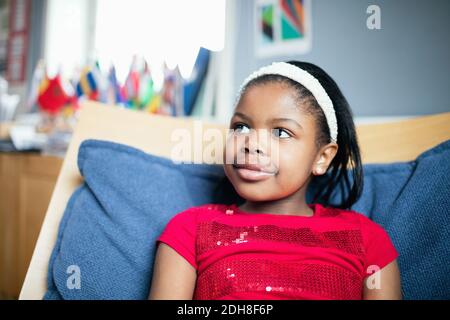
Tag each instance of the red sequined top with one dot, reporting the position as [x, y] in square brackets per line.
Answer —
[242, 255]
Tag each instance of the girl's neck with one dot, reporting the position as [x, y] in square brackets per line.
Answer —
[281, 207]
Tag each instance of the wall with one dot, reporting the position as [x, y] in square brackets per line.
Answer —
[401, 70]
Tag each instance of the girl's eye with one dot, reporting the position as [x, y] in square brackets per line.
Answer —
[241, 128]
[281, 133]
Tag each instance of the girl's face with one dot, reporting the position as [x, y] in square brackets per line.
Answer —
[271, 152]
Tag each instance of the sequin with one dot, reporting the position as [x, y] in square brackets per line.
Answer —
[230, 274]
[241, 239]
[211, 235]
[282, 279]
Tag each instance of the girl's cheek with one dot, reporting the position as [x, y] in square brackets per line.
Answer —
[232, 146]
[290, 162]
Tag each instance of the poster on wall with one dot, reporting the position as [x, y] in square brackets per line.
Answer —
[282, 27]
[19, 24]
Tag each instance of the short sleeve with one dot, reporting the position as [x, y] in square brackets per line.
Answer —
[180, 235]
[379, 249]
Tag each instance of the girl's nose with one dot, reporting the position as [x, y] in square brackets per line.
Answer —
[254, 145]
[257, 150]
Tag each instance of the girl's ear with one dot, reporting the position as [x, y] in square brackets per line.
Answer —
[324, 158]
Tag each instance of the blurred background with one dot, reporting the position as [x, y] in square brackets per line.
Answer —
[187, 59]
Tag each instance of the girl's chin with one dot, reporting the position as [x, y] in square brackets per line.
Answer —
[253, 192]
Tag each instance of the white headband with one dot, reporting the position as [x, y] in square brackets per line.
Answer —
[308, 81]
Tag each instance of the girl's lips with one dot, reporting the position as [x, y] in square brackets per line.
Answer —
[253, 172]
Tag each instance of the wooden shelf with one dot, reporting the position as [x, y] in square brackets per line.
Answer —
[26, 183]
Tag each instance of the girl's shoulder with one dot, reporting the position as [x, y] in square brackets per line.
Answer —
[372, 232]
[208, 208]
[366, 223]
[204, 211]
[350, 216]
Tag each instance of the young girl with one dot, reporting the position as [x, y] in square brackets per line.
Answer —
[275, 245]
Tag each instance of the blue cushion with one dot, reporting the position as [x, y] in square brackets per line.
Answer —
[112, 220]
[414, 209]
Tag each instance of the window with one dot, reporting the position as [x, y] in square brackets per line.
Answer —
[113, 31]
[158, 30]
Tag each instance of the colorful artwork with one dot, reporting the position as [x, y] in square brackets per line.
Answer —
[282, 27]
[292, 19]
[267, 23]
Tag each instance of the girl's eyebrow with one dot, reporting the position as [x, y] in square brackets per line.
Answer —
[243, 116]
[247, 118]
[287, 120]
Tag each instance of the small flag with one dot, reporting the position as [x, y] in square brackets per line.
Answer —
[39, 76]
[154, 104]
[130, 89]
[114, 92]
[87, 85]
[145, 88]
[52, 96]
